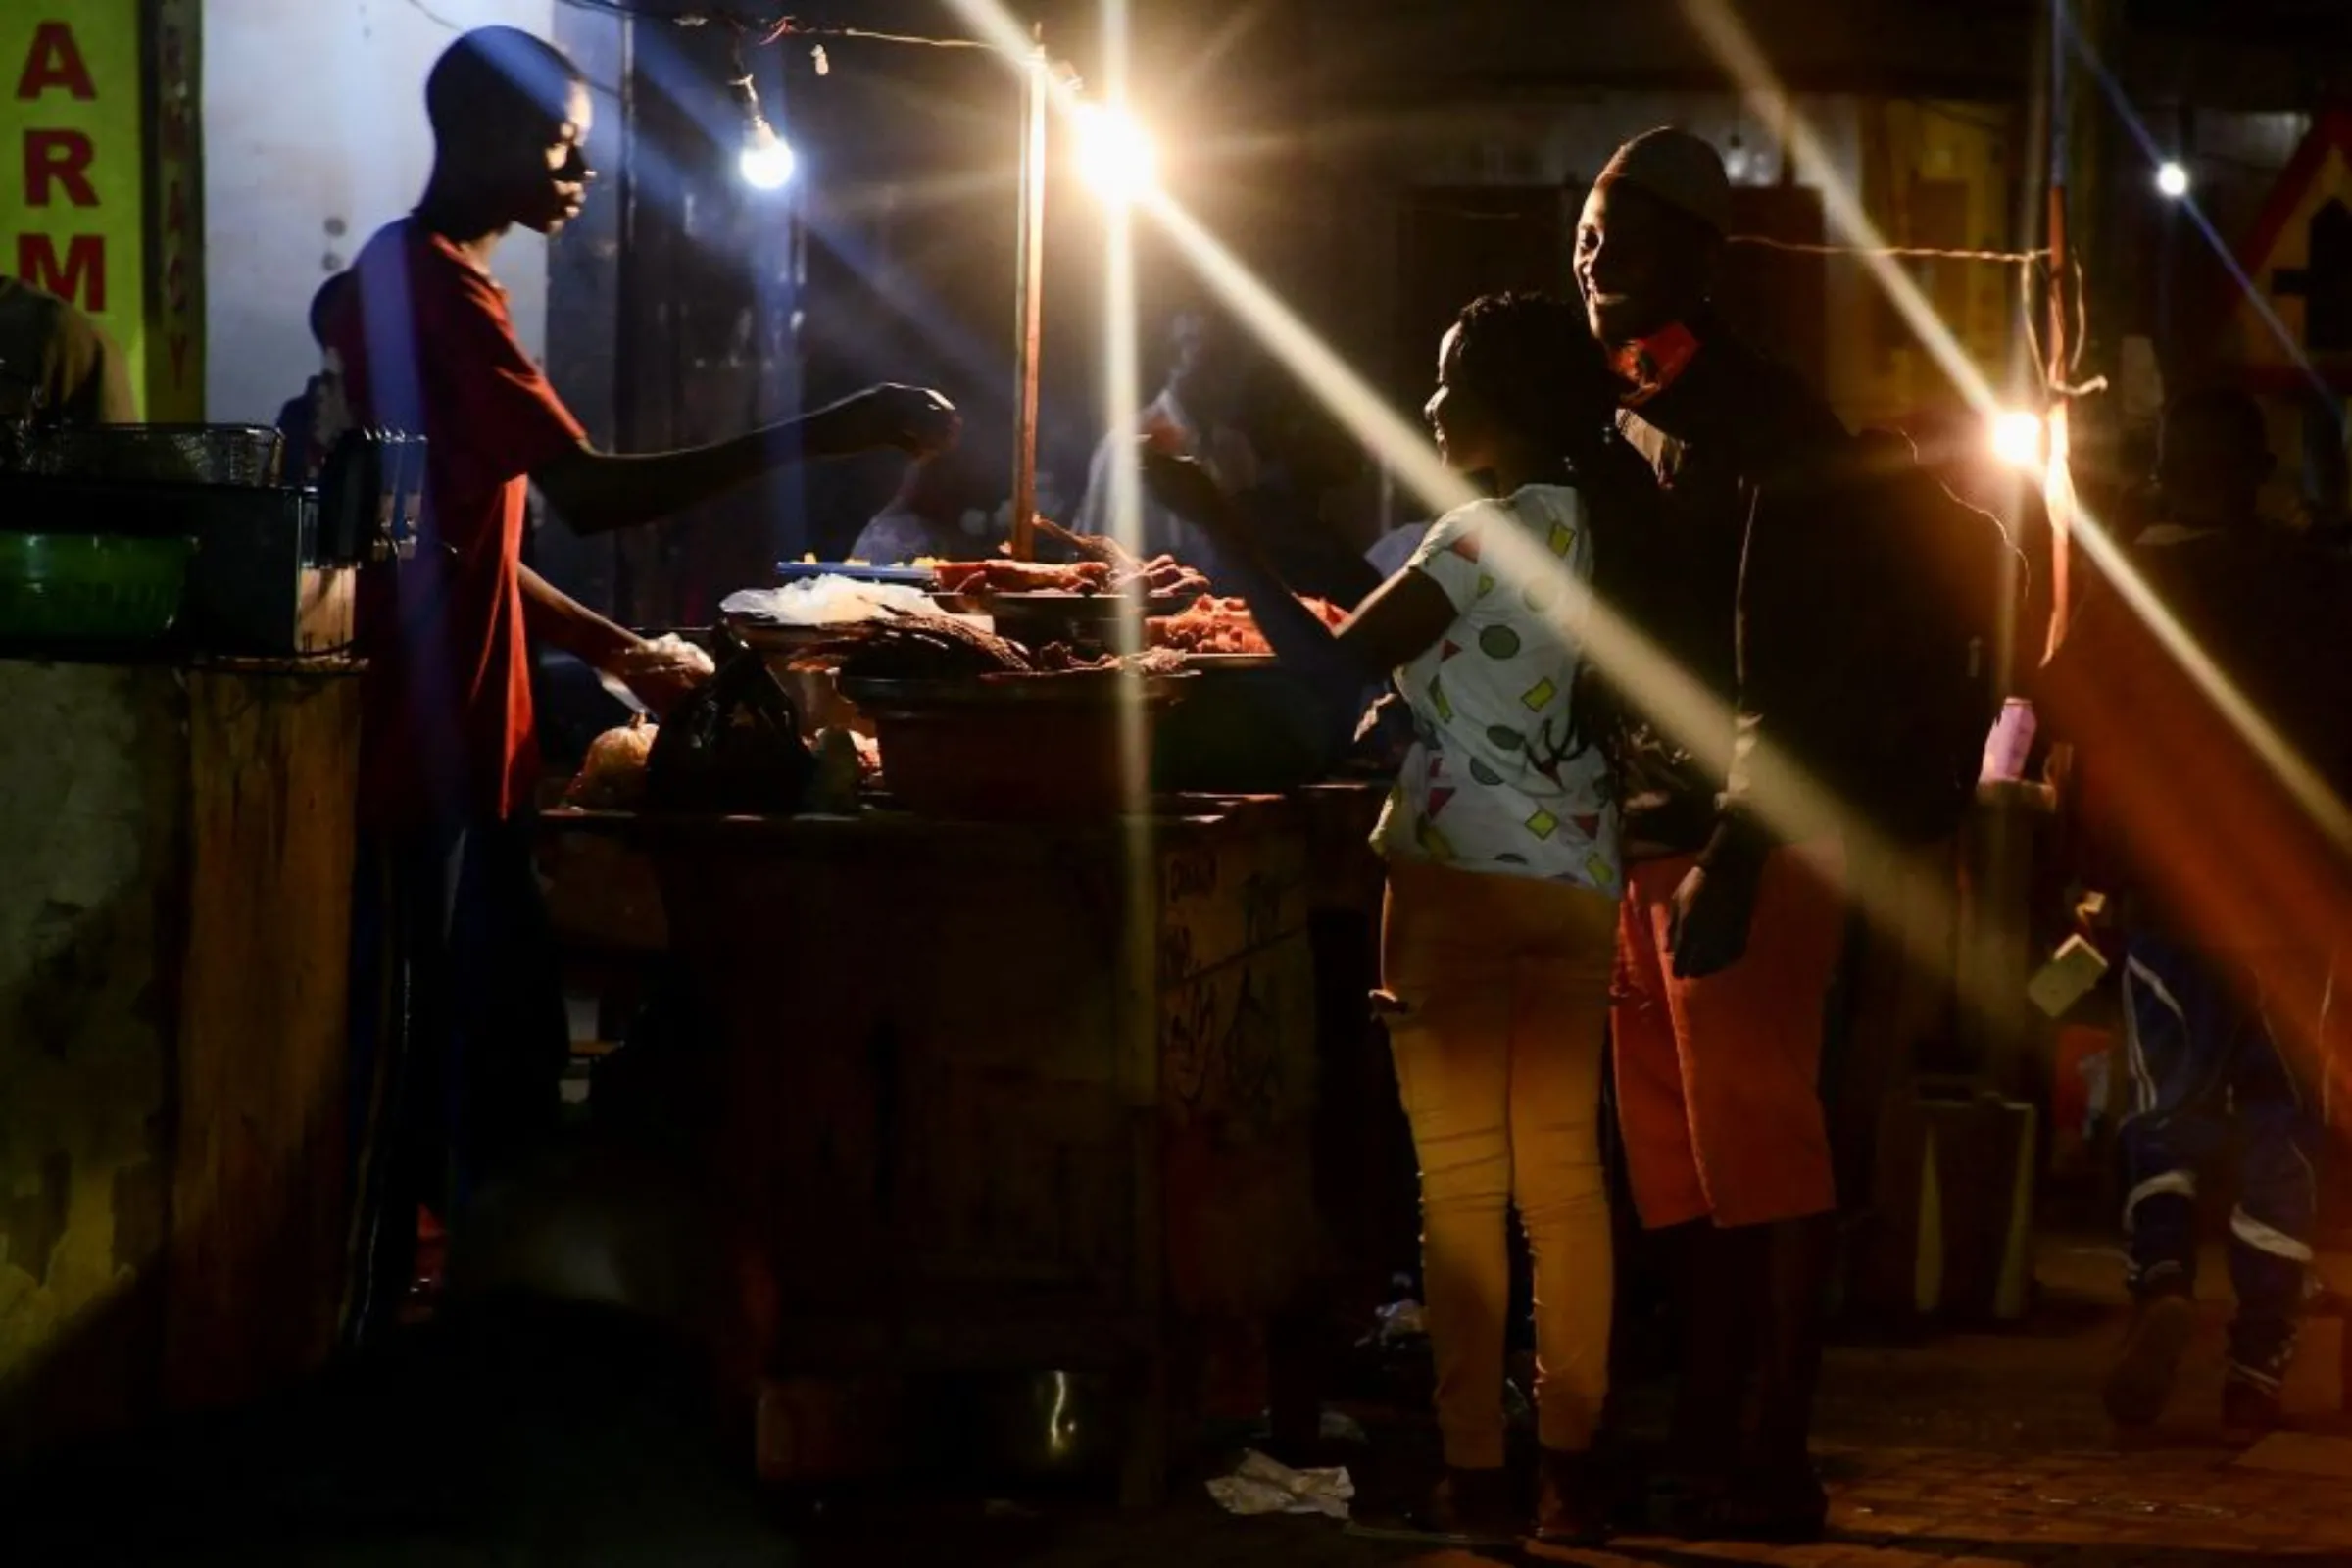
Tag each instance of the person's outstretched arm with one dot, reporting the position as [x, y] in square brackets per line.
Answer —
[596, 492]
[1401, 618]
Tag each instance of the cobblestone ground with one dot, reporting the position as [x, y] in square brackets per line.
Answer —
[1983, 1450]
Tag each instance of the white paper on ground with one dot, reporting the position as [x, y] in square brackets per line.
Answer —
[1262, 1485]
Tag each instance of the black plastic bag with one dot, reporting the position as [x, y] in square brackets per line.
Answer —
[733, 748]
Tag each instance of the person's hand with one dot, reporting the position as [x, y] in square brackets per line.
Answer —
[662, 672]
[1184, 487]
[1385, 733]
[914, 420]
[1709, 919]
[664, 688]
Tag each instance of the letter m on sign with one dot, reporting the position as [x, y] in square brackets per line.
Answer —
[78, 275]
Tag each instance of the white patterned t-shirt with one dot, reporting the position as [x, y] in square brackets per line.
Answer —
[1499, 779]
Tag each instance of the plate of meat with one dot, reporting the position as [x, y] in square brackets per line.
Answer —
[993, 579]
[1212, 628]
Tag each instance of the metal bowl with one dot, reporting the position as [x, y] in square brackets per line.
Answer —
[90, 588]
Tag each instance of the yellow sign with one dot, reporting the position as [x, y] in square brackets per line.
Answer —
[175, 320]
[73, 161]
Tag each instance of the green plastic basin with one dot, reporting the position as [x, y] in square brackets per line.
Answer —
[90, 588]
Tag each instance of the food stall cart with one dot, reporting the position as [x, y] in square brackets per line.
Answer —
[1011, 1096]
[1035, 1093]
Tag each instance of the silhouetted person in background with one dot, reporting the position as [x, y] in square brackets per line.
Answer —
[1194, 416]
[57, 365]
[2224, 1011]
[314, 422]
[927, 516]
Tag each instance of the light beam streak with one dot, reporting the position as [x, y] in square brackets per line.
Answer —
[1739, 55]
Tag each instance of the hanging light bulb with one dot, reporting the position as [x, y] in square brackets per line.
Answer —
[1115, 155]
[766, 162]
[2017, 438]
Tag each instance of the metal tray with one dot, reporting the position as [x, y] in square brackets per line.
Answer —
[1100, 608]
[1210, 663]
[768, 637]
[805, 570]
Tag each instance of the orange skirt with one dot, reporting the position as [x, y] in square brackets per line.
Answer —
[1718, 1079]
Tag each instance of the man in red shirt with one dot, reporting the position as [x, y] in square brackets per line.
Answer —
[449, 761]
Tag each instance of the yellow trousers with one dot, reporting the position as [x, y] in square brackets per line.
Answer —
[1497, 994]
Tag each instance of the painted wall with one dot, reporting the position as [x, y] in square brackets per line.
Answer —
[315, 135]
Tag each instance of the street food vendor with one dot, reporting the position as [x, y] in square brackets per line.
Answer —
[1193, 416]
[933, 515]
[451, 903]
[56, 363]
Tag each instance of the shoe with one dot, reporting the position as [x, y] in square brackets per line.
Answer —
[2250, 1412]
[2141, 1382]
[1574, 1499]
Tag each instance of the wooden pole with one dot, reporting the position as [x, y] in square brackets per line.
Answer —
[1029, 303]
[2058, 488]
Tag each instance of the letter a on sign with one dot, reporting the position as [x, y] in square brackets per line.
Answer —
[55, 60]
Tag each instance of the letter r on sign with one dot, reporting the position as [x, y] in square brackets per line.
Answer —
[55, 158]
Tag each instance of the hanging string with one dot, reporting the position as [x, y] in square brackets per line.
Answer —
[789, 28]
[1900, 252]
[773, 28]
[2028, 262]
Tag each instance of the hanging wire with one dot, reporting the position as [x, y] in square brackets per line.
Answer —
[789, 28]
[2074, 360]
[772, 28]
[2063, 387]
[1907, 251]
[639, 13]
[2026, 314]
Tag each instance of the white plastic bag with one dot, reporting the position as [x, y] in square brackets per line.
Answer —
[1261, 1486]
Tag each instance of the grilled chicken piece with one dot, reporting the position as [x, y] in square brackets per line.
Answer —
[1090, 547]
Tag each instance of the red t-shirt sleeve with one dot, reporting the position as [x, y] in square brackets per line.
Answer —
[501, 419]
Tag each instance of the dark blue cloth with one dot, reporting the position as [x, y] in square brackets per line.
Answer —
[460, 1035]
[297, 422]
[2209, 1082]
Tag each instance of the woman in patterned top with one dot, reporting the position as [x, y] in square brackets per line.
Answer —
[1505, 872]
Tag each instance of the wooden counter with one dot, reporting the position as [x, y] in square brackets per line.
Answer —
[1009, 1096]
[174, 950]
